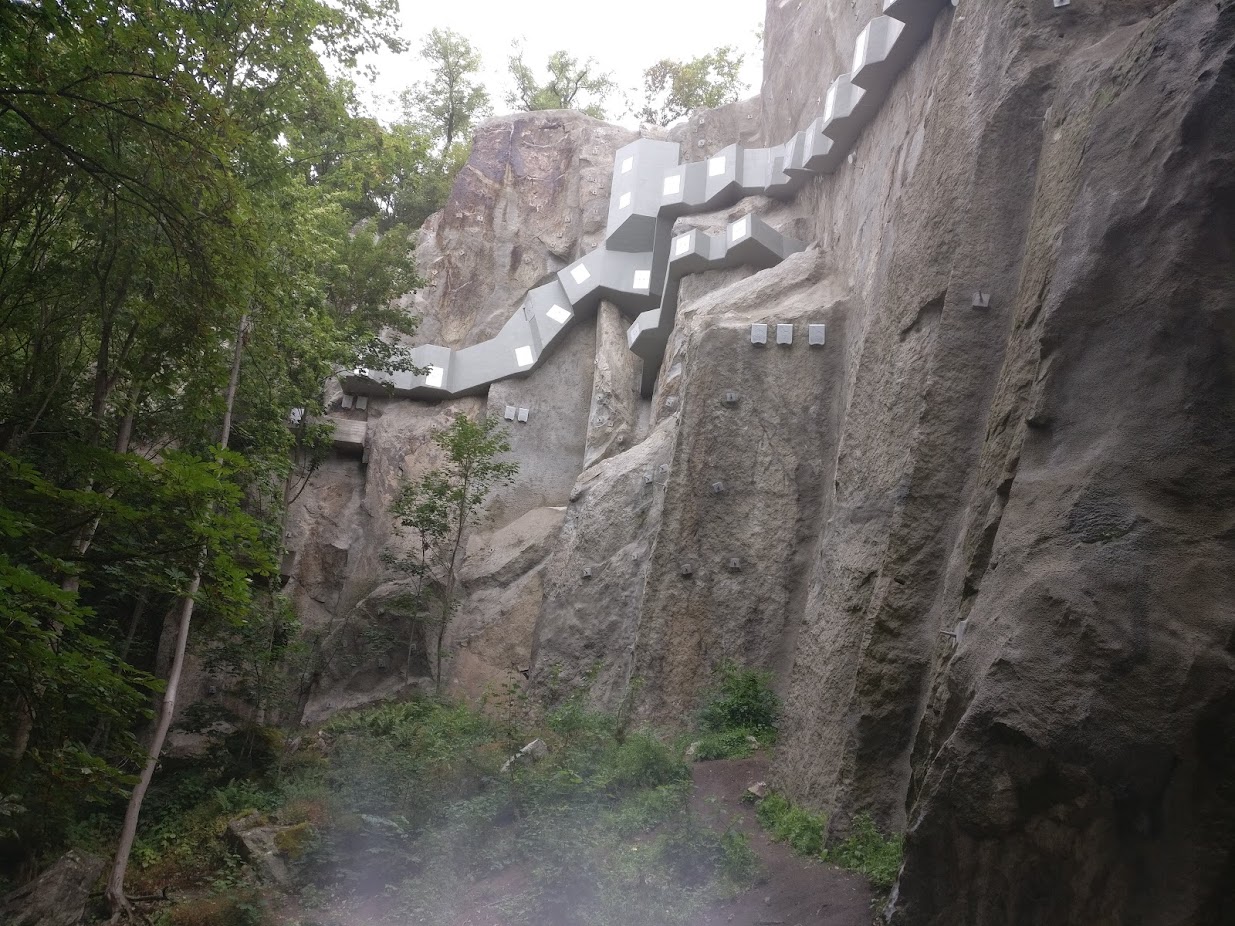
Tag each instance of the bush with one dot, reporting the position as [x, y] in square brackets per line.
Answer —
[639, 761]
[742, 699]
[801, 829]
[869, 852]
[731, 744]
[647, 809]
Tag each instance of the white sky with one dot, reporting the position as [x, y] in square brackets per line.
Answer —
[623, 37]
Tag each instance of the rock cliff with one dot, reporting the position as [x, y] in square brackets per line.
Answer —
[985, 534]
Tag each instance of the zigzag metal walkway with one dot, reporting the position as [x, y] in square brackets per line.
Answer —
[641, 263]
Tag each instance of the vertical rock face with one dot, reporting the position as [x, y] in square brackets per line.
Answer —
[1074, 763]
[984, 532]
[532, 197]
[1017, 639]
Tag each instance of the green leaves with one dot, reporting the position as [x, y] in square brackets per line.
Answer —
[439, 507]
[472, 446]
[169, 169]
[742, 700]
[675, 89]
[570, 85]
[452, 100]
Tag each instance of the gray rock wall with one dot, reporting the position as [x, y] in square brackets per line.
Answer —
[989, 550]
[532, 197]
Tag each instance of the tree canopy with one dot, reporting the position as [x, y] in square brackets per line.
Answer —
[675, 89]
[570, 85]
[182, 187]
[452, 100]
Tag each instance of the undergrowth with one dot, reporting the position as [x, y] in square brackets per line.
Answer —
[866, 850]
[408, 802]
[740, 713]
[800, 829]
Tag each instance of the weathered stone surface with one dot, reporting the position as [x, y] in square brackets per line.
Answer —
[58, 896]
[707, 131]
[745, 485]
[490, 637]
[257, 841]
[594, 581]
[549, 446]
[1075, 762]
[613, 420]
[1054, 472]
[531, 199]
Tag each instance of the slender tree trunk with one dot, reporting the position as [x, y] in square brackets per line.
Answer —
[85, 537]
[22, 729]
[128, 833]
[419, 606]
[102, 731]
[448, 599]
[119, 904]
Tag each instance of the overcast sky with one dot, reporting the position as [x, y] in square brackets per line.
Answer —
[623, 37]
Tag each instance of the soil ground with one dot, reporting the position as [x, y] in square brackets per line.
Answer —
[797, 892]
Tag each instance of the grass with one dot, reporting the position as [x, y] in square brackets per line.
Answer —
[869, 852]
[866, 850]
[407, 802]
[740, 707]
[597, 832]
[802, 830]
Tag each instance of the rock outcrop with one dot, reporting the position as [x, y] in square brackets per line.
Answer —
[984, 533]
[58, 896]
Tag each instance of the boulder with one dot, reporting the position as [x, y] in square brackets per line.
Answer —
[258, 841]
[58, 896]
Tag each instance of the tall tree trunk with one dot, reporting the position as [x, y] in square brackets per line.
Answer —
[419, 611]
[85, 536]
[115, 883]
[23, 726]
[448, 598]
[102, 730]
[119, 904]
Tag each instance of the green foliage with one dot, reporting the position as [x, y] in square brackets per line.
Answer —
[741, 700]
[598, 831]
[570, 85]
[294, 841]
[728, 744]
[674, 89]
[869, 852]
[801, 829]
[402, 761]
[181, 183]
[866, 850]
[230, 908]
[451, 101]
[438, 508]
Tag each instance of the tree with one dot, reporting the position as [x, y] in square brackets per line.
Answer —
[194, 234]
[674, 89]
[451, 101]
[571, 85]
[423, 507]
[441, 505]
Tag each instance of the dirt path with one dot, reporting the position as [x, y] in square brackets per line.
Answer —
[797, 892]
